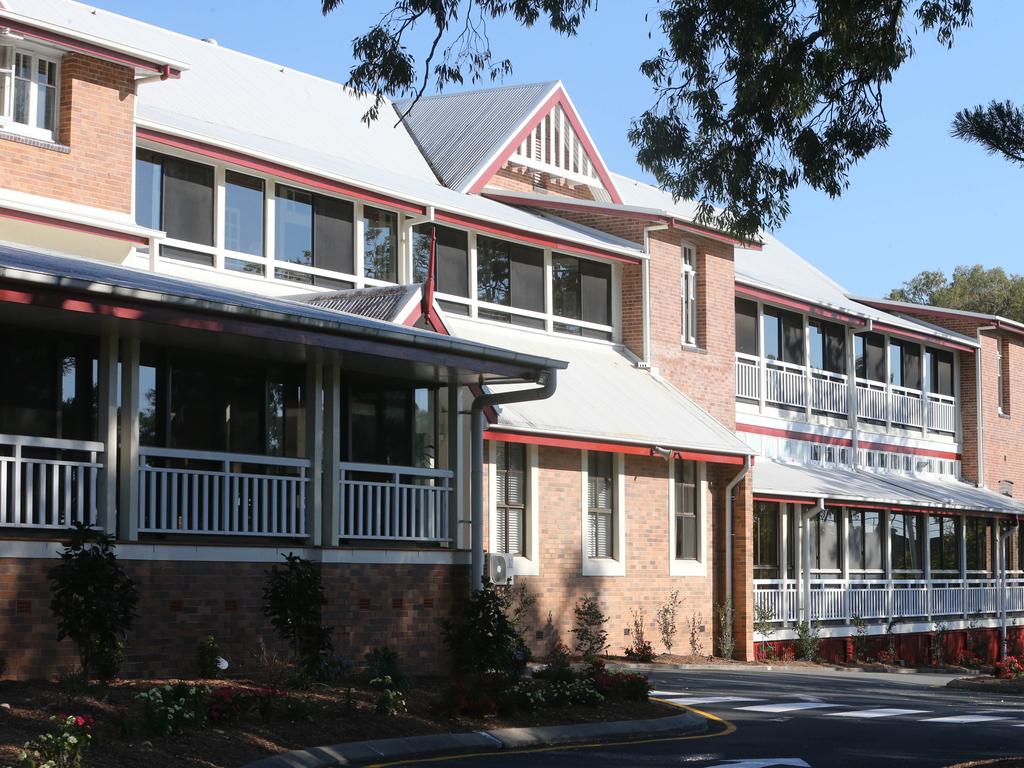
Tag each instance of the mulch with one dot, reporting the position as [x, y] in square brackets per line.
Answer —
[324, 718]
[988, 684]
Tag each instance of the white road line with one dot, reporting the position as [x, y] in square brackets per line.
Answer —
[963, 719]
[882, 712]
[792, 706]
[706, 699]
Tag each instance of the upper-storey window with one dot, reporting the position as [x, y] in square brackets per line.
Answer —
[869, 349]
[938, 371]
[746, 327]
[905, 364]
[783, 336]
[688, 294]
[828, 346]
[28, 92]
[313, 231]
[380, 244]
[510, 275]
[581, 290]
[176, 196]
[243, 213]
[452, 263]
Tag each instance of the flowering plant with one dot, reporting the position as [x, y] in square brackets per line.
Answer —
[64, 749]
[1012, 668]
[170, 708]
[223, 705]
[887, 657]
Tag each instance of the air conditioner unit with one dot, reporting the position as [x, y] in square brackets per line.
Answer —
[500, 568]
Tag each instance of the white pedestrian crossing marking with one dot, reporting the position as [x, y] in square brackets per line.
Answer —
[963, 719]
[881, 712]
[707, 699]
[791, 706]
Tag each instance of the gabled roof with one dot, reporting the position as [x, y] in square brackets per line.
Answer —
[467, 136]
[928, 310]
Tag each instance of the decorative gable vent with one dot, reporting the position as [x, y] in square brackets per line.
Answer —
[554, 147]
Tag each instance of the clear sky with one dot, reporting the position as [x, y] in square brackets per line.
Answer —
[925, 202]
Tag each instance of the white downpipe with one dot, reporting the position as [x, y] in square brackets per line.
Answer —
[805, 556]
[645, 270]
[728, 527]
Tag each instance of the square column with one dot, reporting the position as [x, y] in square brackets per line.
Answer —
[128, 518]
[106, 497]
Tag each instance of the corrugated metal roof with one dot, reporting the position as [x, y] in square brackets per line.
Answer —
[602, 395]
[71, 273]
[381, 302]
[459, 133]
[773, 478]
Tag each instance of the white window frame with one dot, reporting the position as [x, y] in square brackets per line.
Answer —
[527, 564]
[604, 566]
[688, 293]
[1001, 377]
[37, 54]
[678, 566]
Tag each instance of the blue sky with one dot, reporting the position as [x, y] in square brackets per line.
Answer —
[925, 202]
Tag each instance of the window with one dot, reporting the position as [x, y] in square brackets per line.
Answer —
[452, 258]
[783, 336]
[978, 535]
[905, 364]
[824, 531]
[600, 504]
[380, 244]
[939, 370]
[510, 495]
[869, 349]
[746, 327]
[688, 294]
[510, 275]
[581, 289]
[176, 196]
[905, 544]
[1002, 376]
[313, 231]
[28, 92]
[865, 540]
[687, 500]
[767, 530]
[828, 346]
[943, 543]
[392, 424]
[243, 213]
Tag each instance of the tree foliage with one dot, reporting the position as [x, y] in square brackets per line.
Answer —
[293, 600]
[971, 288]
[998, 128]
[751, 98]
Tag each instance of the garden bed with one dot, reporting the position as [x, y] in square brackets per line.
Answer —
[988, 684]
[296, 719]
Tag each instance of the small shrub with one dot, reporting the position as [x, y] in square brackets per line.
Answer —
[389, 699]
[619, 686]
[640, 648]
[333, 670]
[558, 665]
[764, 626]
[860, 637]
[207, 657]
[93, 602]
[885, 656]
[267, 700]
[169, 709]
[970, 660]
[64, 749]
[568, 692]
[293, 600]
[938, 644]
[383, 662]
[665, 620]
[1011, 668]
[483, 639]
[223, 705]
[269, 669]
[524, 696]
[808, 640]
[726, 638]
[591, 637]
[696, 643]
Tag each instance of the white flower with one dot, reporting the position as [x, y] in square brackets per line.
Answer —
[222, 663]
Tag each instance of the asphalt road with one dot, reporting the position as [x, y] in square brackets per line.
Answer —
[807, 718]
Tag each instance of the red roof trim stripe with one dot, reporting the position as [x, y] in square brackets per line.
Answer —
[266, 166]
[559, 97]
[612, 447]
[52, 221]
[803, 306]
[88, 48]
[883, 328]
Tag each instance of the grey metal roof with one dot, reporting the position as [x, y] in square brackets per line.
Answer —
[790, 480]
[384, 302]
[459, 133]
[126, 283]
[913, 309]
[602, 395]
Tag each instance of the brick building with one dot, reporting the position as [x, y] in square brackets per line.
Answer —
[285, 318]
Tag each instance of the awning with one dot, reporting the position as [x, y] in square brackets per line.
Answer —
[603, 401]
[776, 481]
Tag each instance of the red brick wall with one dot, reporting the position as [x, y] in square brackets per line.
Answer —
[96, 114]
[181, 602]
[520, 179]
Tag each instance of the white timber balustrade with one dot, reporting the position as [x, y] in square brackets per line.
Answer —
[907, 407]
[234, 494]
[48, 483]
[872, 400]
[747, 376]
[840, 600]
[785, 384]
[828, 392]
[941, 413]
[381, 501]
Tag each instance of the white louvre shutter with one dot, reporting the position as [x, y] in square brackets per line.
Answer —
[501, 532]
[600, 534]
[514, 538]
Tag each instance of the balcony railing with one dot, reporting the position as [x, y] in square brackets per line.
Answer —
[796, 386]
[48, 483]
[879, 599]
[384, 502]
[229, 494]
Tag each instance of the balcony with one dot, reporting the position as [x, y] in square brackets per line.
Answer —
[801, 387]
[387, 503]
[841, 600]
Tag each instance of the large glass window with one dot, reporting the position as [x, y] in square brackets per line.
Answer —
[939, 369]
[767, 532]
[978, 536]
[243, 213]
[824, 531]
[452, 258]
[905, 544]
[869, 349]
[944, 544]
[511, 275]
[828, 346]
[905, 364]
[687, 503]
[510, 494]
[865, 540]
[746, 327]
[783, 336]
[600, 504]
[28, 91]
[314, 231]
[380, 244]
[688, 294]
[581, 289]
[176, 196]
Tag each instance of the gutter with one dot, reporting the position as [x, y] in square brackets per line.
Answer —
[729, 527]
[549, 382]
[980, 404]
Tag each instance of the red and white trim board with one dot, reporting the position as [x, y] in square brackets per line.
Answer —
[629, 449]
[558, 97]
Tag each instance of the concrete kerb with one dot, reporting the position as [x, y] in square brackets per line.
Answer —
[454, 744]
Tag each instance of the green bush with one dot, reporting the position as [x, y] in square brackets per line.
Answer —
[560, 693]
[808, 641]
[389, 699]
[169, 709]
[666, 620]
[64, 749]
[293, 600]
[640, 649]
[207, 655]
[483, 639]
[384, 662]
[726, 637]
[591, 637]
[93, 601]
